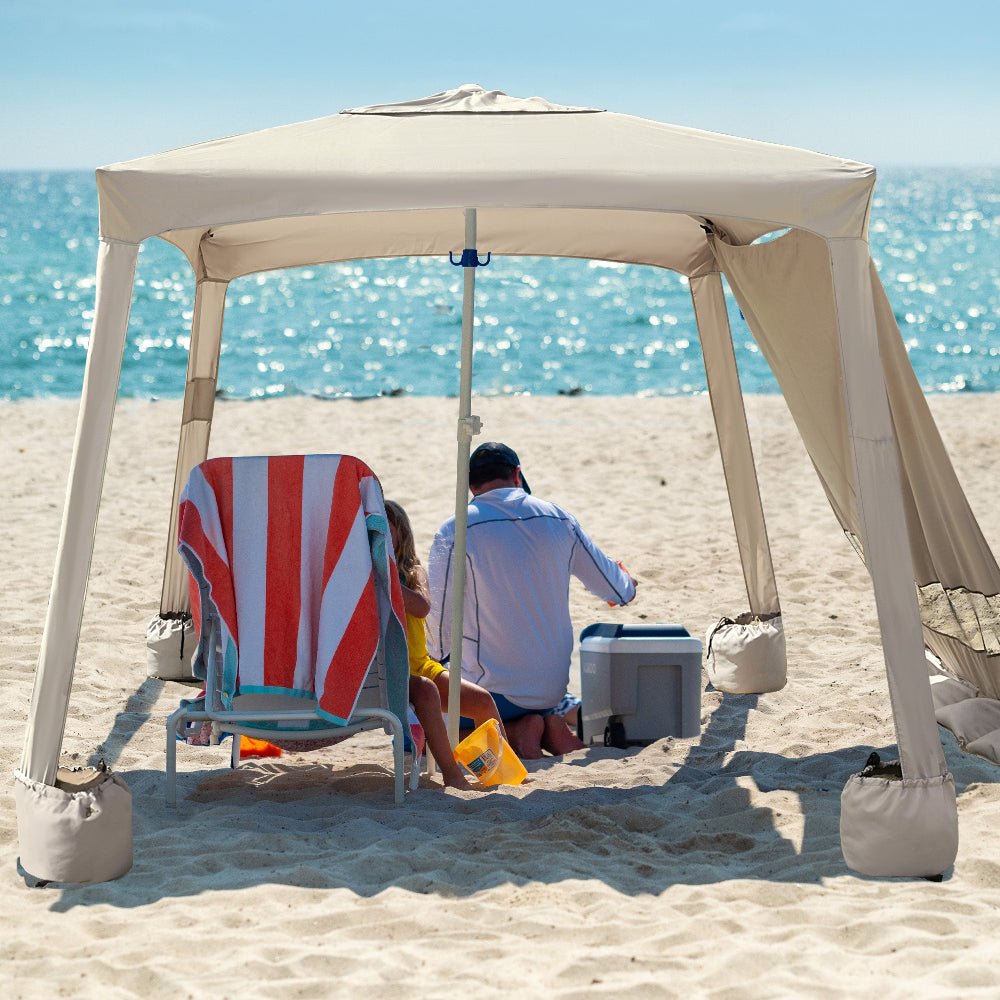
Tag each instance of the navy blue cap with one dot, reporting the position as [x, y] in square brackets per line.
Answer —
[495, 453]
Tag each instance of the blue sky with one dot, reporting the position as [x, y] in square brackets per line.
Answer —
[82, 85]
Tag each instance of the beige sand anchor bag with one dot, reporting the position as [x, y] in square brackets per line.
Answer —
[746, 654]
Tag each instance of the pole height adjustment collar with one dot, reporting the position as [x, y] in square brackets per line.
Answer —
[469, 427]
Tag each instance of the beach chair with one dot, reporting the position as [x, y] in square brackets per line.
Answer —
[297, 604]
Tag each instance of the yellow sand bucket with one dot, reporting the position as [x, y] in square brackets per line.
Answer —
[489, 756]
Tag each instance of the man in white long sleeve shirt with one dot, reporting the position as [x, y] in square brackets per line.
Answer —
[518, 637]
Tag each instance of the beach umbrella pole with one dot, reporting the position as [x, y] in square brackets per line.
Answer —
[468, 427]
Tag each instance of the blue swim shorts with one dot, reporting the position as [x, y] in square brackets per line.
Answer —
[508, 711]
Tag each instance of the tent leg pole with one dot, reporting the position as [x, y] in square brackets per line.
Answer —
[196, 426]
[908, 824]
[882, 514]
[116, 265]
[734, 443]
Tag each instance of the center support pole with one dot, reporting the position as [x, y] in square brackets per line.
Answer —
[468, 427]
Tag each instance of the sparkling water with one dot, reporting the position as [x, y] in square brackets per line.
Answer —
[543, 326]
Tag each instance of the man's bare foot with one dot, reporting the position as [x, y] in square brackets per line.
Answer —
[525, 736]
[557, 738]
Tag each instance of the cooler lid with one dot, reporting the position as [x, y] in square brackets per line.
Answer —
[622, 630]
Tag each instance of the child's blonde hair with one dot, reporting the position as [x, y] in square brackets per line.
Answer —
[406, 552]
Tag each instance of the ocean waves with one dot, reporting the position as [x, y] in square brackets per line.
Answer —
[543, 326]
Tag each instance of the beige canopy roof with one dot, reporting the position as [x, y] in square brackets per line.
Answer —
[597, 183]
[523, 176]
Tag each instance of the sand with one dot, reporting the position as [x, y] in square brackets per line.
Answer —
[705, 867]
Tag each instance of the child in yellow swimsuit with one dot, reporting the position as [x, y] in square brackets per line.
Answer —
[475, 702]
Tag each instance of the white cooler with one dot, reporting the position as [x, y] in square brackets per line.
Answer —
[639, 683]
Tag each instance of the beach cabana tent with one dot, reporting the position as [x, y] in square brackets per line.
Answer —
[528, 177]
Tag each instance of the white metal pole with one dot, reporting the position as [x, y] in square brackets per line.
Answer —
[468, 427]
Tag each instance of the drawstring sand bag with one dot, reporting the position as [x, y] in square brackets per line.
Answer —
[746, 654]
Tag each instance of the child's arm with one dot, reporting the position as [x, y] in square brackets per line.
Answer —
[416, 599]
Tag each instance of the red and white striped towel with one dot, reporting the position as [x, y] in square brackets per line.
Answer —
[296, 553]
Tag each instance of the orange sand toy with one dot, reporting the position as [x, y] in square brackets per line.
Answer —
[257, 748]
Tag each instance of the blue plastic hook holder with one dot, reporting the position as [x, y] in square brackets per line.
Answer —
[470, 258]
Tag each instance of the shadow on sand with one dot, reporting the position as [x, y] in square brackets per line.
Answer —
[722, 813]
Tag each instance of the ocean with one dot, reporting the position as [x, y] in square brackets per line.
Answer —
[543, 326]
